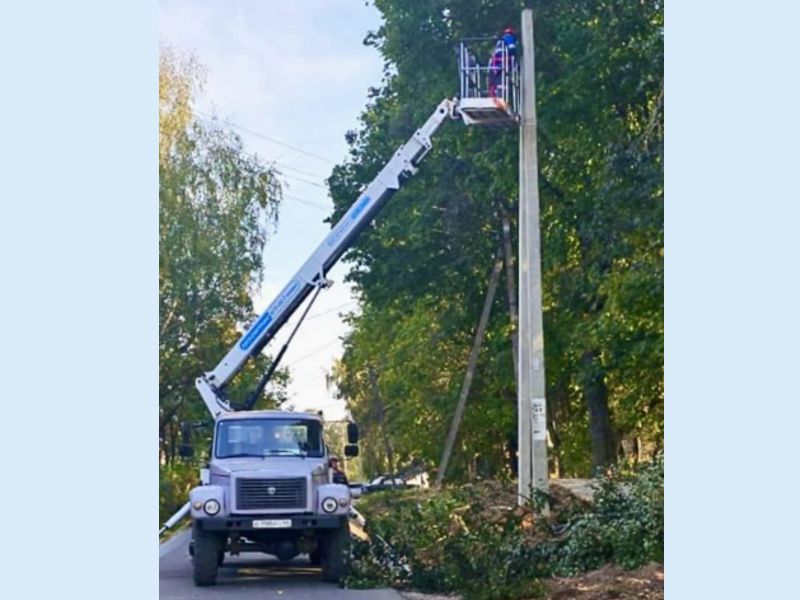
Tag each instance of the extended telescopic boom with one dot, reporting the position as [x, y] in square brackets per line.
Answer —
[312, 274]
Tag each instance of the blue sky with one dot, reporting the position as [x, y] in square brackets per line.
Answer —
[296, 72]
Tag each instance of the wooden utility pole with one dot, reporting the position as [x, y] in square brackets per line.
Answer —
[532, 427]
[471, 364]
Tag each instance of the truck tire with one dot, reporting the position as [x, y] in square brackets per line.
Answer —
[205, 560]
[335, 551]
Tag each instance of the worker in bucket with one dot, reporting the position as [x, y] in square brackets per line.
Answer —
[503, 57]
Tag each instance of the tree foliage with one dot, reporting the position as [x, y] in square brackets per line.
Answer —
[422, 270]
[217, 207]
[473, 540]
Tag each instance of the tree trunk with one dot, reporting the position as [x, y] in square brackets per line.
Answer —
[511, 453]
[557, 412]
[511, 289]
[380, 417]
[596, 395]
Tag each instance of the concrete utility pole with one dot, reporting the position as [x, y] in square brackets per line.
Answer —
[532, 442]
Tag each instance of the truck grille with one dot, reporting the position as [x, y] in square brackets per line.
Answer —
[255, 494]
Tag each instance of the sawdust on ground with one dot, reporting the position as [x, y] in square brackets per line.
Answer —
[610, 583]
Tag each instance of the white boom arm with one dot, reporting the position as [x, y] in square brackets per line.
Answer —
[312, 274]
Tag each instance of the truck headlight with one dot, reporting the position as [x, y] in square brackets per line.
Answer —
[211, 507]
[329, 505]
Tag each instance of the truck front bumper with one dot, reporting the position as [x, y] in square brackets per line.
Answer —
[245, 523]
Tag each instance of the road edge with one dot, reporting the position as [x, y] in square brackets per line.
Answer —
[170, 545]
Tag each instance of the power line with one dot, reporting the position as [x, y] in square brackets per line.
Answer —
[300, 179]
[310, 354]
[314, 316]
[266, 137]
[276, 163]
[310, 203]
[285, 166]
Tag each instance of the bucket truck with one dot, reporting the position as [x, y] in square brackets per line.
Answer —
[268, 486]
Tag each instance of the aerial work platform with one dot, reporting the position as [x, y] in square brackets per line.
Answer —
[489, 90]
[486, 111]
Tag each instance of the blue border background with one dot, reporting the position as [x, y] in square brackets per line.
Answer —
[732, 214]
[79, 251]
[79, 298]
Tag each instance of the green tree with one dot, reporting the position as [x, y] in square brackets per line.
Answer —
[421, 271]
[217, 208]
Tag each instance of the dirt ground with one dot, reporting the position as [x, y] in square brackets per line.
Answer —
[608, 583]
[611, 583]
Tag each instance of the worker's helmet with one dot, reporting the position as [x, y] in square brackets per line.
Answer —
[334, 458]
[509, 29]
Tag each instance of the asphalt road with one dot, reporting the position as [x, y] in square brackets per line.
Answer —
[250, 576]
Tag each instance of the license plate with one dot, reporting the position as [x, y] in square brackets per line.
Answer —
[272, 523]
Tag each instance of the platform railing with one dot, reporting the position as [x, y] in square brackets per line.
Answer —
[491, 79]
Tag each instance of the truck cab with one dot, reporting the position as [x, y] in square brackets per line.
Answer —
[269, 488]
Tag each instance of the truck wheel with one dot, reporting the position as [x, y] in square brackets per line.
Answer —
[206, 556]
[335, 550]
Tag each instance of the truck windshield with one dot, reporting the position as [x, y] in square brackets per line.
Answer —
[268, 437]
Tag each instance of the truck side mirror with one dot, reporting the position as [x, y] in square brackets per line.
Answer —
[352, 433]
[351, 450]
